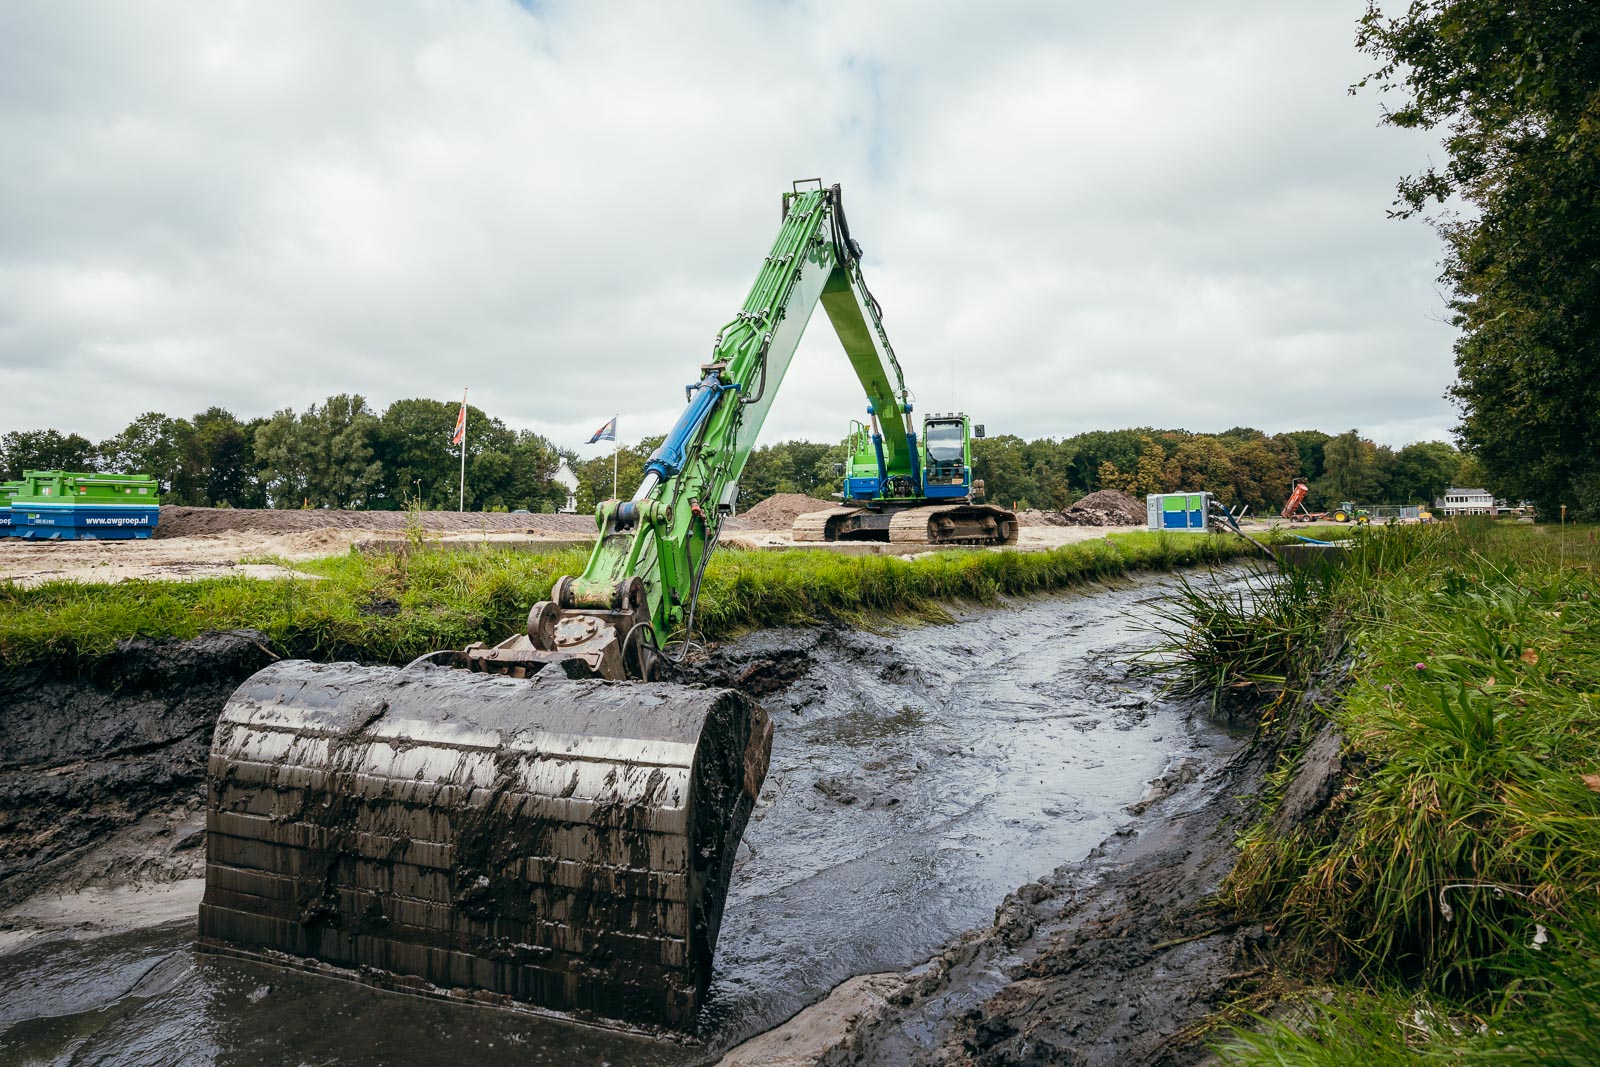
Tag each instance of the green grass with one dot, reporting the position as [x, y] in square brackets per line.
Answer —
[1459, 865]
[392, 608]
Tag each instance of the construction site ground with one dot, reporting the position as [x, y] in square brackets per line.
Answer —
[216, 542]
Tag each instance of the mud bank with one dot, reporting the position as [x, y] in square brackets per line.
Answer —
[1124, 957]
[1118, 959]
[118, 746]
[918, 777]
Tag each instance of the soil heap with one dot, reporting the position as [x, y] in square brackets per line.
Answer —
[778, 512]
[1108, 507]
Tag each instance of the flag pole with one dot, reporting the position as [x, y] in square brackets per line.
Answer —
[461, 497]
[614, 457]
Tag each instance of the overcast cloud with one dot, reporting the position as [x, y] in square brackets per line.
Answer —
[1077, 216]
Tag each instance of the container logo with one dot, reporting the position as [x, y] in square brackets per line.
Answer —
[121, 520]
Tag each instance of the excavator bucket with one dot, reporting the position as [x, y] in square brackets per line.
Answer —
[549, 842]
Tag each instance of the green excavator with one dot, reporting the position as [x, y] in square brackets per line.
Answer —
[900, 490]
[543, 822]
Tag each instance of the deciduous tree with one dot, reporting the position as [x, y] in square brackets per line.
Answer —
[44, 450]
[1516, 88]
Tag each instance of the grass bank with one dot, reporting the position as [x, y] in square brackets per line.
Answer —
[1445, 903]
[392, 608]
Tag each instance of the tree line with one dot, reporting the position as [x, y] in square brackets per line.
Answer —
[342, 454]
[337, 454]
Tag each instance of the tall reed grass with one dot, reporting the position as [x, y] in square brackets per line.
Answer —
[1458, 867]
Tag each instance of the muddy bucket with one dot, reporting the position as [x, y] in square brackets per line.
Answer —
[551, 843]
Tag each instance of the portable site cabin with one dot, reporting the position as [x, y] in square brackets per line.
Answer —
[1179, 511]
[62, 506]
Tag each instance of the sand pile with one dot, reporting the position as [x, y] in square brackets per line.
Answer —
[779, 512]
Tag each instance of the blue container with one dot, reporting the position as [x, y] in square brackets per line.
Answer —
[1179, 511]
[83, 522]
[62, 506]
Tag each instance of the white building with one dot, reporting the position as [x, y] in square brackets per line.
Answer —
[1468, 502]
[568, 481]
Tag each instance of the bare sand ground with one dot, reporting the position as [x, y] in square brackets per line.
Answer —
[264, 553]
[237, 553]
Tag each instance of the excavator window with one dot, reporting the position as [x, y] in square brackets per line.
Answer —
[943, 442]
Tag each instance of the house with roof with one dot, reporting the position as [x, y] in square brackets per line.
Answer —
[1467, 502]
[566, 479]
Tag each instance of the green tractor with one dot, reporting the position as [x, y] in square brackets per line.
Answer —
[1348, 512]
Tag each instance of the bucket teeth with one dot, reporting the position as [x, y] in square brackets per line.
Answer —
[555, 843]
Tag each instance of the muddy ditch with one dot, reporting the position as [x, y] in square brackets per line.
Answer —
[919, 777]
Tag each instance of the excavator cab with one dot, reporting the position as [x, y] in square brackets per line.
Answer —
[947, 457]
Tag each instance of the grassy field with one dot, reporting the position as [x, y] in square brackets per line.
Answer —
[1446, 904]
[391, 608]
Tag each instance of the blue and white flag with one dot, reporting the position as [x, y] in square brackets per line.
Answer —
[608, 432]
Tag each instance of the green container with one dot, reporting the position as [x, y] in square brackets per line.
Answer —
[58, 487]
[63, 505]
[8, 490]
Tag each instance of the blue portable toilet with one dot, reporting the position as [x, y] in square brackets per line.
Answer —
[1179, 511]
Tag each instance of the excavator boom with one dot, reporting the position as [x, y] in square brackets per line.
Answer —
[635, 599]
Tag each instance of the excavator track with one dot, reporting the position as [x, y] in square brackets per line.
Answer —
[954, 524]
[822, 525]
[555, 843]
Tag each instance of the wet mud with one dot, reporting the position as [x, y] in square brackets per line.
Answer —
[918, 778]
[89, 754]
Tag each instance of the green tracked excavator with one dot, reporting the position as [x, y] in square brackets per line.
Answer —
[541, 822]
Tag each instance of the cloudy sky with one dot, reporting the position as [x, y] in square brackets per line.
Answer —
[1076, 215]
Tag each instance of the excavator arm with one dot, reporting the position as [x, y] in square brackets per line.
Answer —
[520, 835]
[635, 600]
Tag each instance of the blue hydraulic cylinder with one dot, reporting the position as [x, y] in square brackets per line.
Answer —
[667, 460]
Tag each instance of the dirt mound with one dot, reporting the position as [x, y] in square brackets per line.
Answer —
[190, 522]
[1108, 507]
[779, 512]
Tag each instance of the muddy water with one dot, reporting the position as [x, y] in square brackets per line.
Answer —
[917, 777]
